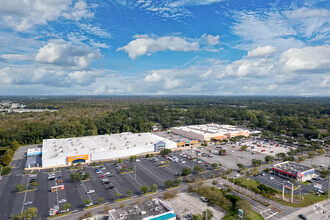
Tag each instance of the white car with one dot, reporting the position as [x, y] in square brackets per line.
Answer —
[199, 162]
[91, 191]
[28, 203]
[137, 160]
[183, 161]
[62, 201]
[99, 172]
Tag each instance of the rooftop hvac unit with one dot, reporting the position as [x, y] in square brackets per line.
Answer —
[143, 212]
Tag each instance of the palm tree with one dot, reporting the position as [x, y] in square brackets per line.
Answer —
[30, 213]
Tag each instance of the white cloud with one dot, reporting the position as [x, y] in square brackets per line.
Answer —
[154, 77]
[308, 59]
[78, 11]
[172, 83]
[46, 75]
[144, 45]
[212, 40]
[63, 53]
[310, 22]
[94, 30]
[15, 57]
[262, 51]
[23, 15]
[272, 86]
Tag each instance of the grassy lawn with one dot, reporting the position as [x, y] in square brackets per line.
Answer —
[234, 216]
[306, 183]
[309, 199]
[252, 184]
[148, 193]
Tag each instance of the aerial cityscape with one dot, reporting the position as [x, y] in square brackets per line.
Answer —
[164, 110]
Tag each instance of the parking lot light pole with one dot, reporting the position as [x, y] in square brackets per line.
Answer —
[247, 185]
[135, 171]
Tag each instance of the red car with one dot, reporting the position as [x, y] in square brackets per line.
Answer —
[102, 176]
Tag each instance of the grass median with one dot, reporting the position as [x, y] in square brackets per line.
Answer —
[123, 199]
[93, 206]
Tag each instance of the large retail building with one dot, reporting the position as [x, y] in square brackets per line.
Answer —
[209, 132]
[61, 152]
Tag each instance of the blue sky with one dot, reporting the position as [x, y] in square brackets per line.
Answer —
[173, 47]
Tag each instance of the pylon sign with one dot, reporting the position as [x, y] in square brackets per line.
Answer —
[240, 213]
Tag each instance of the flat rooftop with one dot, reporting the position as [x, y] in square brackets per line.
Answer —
[133, 212]
[289, 166]
[173, 137]
[53, 148]
[210, 129]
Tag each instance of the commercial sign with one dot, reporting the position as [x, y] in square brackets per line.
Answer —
[287, 185]
[240, 213]
[78, 157]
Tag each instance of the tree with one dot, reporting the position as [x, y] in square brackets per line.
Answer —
[269, 159]
[147, 155]
[120, 160]
[154, 188]
[311, 154]
[240, 166]
[256, 162]
[214, 165]
[66, 206]
[7, 157]
[320, 151]
[301, 158]
[132, 159]
[177, 182]
[280, 155]
[245, 206]
[243, 148]
[197, 217]
[129, 192]
[117, 195]
[86, 202]
[207, 214]
[144, 189]
[100, 199]
[165, 152]
[86, 176]
[34, 184]
[168, 183]
[186, 171]
[76, 177]
[214, 182]
[14, 145]
[20, 187]
[222, 152]
[5, 170]
[30, 213]
[197, 169]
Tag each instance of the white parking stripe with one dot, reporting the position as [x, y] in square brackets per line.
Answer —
[152, 173]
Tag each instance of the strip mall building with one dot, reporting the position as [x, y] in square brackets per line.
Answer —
[210, 132]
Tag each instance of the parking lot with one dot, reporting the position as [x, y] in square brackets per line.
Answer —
[276, 182]
[145, 171]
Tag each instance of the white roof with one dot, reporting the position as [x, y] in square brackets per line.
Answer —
[34, 150]
[211, 129]
[54, 148]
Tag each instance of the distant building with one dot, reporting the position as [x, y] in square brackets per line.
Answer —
[292, 170]
[208, 132]
[149, 210]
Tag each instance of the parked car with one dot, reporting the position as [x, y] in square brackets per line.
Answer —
[89, 204]
[203, 199]
[91, 191]
[62, 201]
[102, 176]
[28, 203]
[111, 186]
[301, 216]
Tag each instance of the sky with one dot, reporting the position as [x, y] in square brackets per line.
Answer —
[165, 47]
